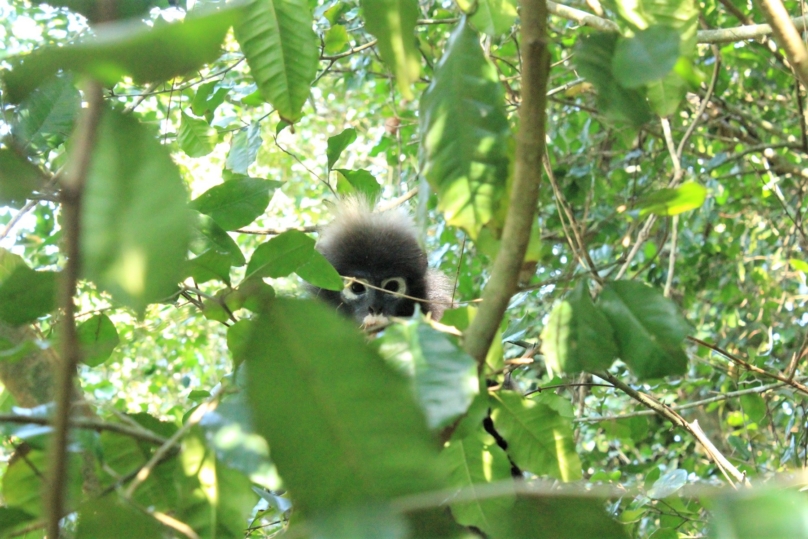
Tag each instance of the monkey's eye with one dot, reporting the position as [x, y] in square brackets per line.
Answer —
[396, 284]
[353, 290]
[357, 288]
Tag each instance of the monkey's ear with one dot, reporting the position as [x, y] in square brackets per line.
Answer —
[439, 290]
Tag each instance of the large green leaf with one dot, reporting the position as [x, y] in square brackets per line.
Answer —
[319, 272]
[464, 133]
[18, 178]
[244, 148]
[98, 339]
[757, 514]
[444, 376]
[23, 481]
[539, 433]
[688, 196]
[351, 182]
[215, 500]
[594, 56]
[648, 55]
[473, 461]
[136, 224]
[392, 23]
[45, 118]
[559, 517]
[277, 39]
[337, 144]
[196, 137]
[648, 328]
[578, 336]
[209, 266]
[209, 235]
[112, 516]
[494, 17]
[342, 424]
[281, 255]
[10, 518]
[134, 49]
[237, 202]
[25, 295]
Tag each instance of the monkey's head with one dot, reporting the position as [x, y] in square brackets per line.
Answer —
[381, 256]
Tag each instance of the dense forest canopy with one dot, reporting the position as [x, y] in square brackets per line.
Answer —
[615, 190]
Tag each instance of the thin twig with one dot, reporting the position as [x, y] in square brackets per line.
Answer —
[748, 366]
[88, 424]
[72, 189]
[30, 205]
[672, 257]
[162, 451]
[694, 404]
[693, 428]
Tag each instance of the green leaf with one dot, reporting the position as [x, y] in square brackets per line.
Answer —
[281, 48]
[686, 197]
[392, 23]
[23, 481]
[465, 133]
[11, 517]
[539, 433]
[281, 255]
[337, 144]
[210, 265]
[98, 338]
[237, 202]
[136, 224]
[8, 263]
[244, 148]
[18, 178]
[45, 119]
[472, 461]
[342, 425]
[767, 513]
[648, 328]
[649, 55]
[444, 376]
[336, 39]
[360, 181]
[111, 516]
[494, 17]
[215, 499]
[319, 272]
[568, 517]
[206, 101]
[371, 521]
[117, 50]
[666, 94]
[209, 235]
[578, 336]
[594, 55]
[25, 295]
[668, 484]
[196, 137]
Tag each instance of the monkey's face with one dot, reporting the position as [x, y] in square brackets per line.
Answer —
[371, 301]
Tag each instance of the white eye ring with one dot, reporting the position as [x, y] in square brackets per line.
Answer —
[396, 285]
[354, 288]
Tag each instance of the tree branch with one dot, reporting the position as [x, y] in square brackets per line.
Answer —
[787, 36]
[527, 177]
[693, 428]
[72, 189]
[88, 424]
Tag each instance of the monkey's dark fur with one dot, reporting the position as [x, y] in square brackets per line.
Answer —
[379, 250]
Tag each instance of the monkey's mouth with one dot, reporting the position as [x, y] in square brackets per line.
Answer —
[374, 320]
